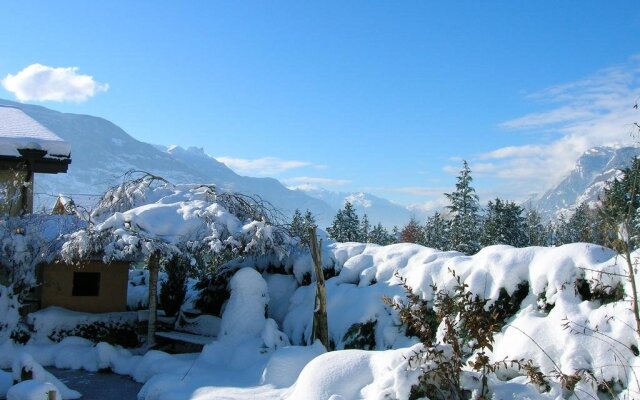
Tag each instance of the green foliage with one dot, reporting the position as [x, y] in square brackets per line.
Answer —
[468, 330]
[361, 336]
[463, 208]
[213, 292]
[379, 235]
[599, 291]
[584, 225]
[618, 210]
[506, 306]
[113, 332]
[535, 231]
[300, 225]
[346, 225]
[468, 325]
[21, 333]
[174, 289]
[436, 232]
[504, 224]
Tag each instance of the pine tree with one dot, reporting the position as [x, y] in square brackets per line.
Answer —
[536, 233]
[583, 225]
[296, 228]
[436, 232]
[618, 209]
[395, 234]
[562, 232]
[365, 228]
[308, 222]
[465, 221]
[379, 235]
[412, 232]
[503, 224]
[346, 225]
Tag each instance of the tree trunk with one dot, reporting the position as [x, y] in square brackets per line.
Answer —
[320, 321]
[154, 267]
[634, 289]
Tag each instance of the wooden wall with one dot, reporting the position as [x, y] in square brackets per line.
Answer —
[57, 287]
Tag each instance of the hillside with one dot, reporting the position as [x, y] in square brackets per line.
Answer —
[586, 180]
[102, 152]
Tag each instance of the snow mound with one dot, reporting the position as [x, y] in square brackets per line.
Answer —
[32, 390]
[244, 314]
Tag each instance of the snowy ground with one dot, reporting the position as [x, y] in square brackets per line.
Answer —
[258, 356]
[98, 385]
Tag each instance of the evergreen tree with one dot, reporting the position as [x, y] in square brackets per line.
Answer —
[436, 232]
[300, 225]
[503, 224]
[535, 231]
[412, 232]
[618, 211]
[561, 231]
[465, 221]
[581, 226]
[297, 228]
[365, 228]
[395, 234]
[309, 221]
[379, 235]
[346, 225]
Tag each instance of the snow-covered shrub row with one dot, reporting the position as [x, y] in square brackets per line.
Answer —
[55, 323]
[550, 312]
[252, 360]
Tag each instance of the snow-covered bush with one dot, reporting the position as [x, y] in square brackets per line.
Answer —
[27, 241]
[147, 214]
[174, 289]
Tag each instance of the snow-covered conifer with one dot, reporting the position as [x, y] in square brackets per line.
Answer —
[463, 207]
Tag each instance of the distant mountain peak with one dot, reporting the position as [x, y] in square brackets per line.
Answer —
[590, 175]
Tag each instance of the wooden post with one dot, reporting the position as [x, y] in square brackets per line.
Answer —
[320, 321]
[154, 266]
[51, 395]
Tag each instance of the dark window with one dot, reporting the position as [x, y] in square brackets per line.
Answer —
[86, 284]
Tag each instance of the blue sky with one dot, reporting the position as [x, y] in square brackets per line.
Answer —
[385, 97]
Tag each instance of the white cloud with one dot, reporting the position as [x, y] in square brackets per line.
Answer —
[310, 181]
[43, 83]
[264, 166]
[427, 208]
[596, 111]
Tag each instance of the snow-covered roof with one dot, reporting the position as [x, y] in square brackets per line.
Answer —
[20, 131]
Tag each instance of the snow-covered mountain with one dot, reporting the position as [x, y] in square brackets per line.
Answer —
[585, 182]
[102, 152]
[376, 208]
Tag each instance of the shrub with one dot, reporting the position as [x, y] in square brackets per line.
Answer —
[468, 326]
[121, 333]
[361, 336]
[174, 289]
[213, 292]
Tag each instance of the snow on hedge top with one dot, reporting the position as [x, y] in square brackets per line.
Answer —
[20, 131]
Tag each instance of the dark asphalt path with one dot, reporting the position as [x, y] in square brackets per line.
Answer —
[98, 385]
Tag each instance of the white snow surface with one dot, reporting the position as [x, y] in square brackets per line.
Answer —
[20, 131]
[268, 356]
[32, 390]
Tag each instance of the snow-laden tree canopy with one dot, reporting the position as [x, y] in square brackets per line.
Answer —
[148, 214]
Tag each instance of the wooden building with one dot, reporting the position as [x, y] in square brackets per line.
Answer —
[88, 287]
[26, 148]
